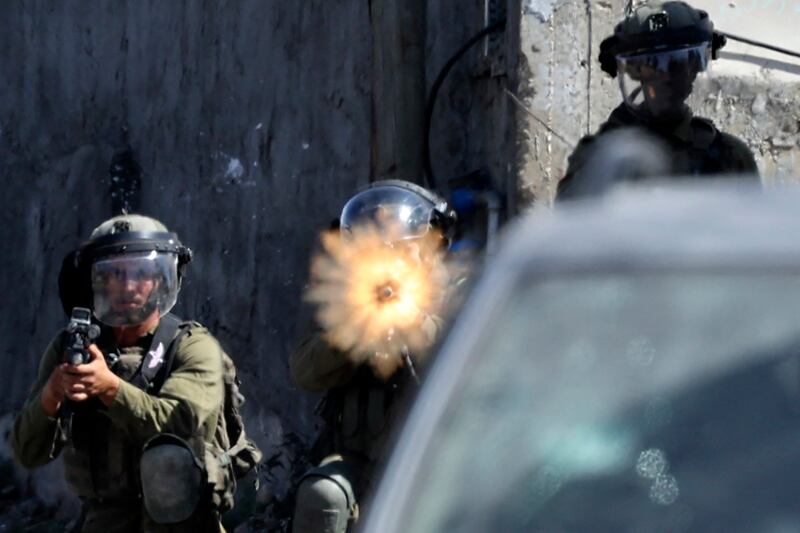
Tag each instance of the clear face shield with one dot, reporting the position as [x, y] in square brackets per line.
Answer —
[129, 288]
[656, 84]
[398, 214]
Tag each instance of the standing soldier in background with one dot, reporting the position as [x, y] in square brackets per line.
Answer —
[363, 391]
[657, 52]
[139, 418]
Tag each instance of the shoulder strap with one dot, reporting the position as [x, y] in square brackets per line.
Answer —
[704, 132]
[157, 363]
[705, 146]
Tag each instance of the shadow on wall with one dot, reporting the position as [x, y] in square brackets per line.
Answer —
[771, 64]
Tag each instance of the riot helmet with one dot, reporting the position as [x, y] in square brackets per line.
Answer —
[399, 209]
[657, 52]
[132, 266]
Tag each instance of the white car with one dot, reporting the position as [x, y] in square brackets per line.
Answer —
[630, 364]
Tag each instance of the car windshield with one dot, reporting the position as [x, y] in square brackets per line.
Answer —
[655, 402]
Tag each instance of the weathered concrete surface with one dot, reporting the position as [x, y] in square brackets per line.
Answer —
[398, 88]
[770, 21]
[753, 92]
[750, 93]
[473, 123]
[252, 122]
[554, 103]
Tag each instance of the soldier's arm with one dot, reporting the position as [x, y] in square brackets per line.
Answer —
[747, 162]
[739, 159]
[569, 184]
[315, 365]
[191, 394]
[37, 437]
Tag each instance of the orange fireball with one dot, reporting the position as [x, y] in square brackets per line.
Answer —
[373, 291]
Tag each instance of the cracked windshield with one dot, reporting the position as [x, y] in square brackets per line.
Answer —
[639, 403]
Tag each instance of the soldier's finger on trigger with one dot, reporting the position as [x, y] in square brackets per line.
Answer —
[80, 370]
[71, 381]
[95, 352]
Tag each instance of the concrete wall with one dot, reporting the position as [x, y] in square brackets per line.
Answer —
[251, 122]
[473, 123]
[564, 95]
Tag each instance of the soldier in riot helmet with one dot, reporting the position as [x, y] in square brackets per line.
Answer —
[360, 406]
[138, 422]
[657, 52]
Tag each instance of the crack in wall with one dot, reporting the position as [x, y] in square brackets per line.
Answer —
[589, 67]
[541, 9]
[551, 83]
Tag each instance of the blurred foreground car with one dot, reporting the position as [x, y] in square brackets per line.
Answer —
[629, 365]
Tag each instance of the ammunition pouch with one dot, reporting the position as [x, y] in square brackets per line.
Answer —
[171, 477]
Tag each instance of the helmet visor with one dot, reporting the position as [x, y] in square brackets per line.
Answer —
[656, 84]
[398, 213]
[128, 288]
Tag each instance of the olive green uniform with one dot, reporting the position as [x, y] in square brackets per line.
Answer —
[696, 147]
[101, 457]
[360, 411]
[358, 408]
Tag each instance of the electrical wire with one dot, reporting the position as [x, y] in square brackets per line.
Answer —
[760, 44]
[500, 26]
[437, 84]
[514, 98]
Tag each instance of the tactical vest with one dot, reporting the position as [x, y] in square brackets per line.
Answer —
[696, 148]
[359, 416]
[701, 150]
[101, 462]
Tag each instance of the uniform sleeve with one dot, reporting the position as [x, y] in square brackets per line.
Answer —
[745, 161]
[37, 438]
[569, 185]
[315, 365]
[189, 398]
